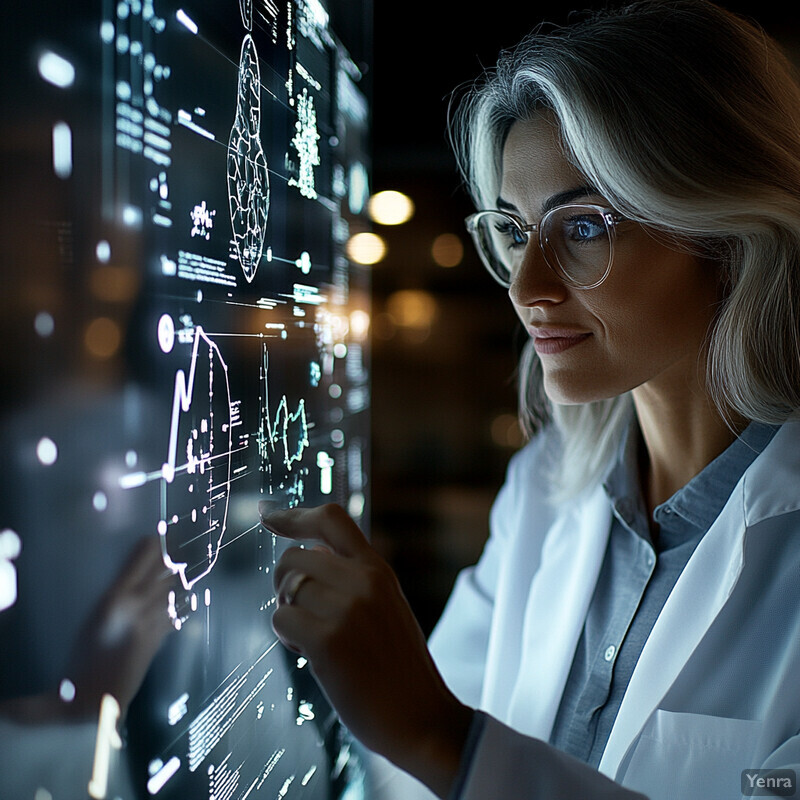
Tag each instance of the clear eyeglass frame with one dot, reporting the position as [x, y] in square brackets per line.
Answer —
[502, 274]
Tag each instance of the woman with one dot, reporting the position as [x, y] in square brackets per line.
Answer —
[633, 626]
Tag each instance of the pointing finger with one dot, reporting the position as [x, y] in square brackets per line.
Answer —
[329, 524]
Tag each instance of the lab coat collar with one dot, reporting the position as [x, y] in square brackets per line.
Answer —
[705, 585]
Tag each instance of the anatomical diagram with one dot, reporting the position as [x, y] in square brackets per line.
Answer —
[248, 179]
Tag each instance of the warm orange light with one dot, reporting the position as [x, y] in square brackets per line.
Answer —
[447, 250]
[366, 248]
[359, 324]
[412, 308]
[102, 337]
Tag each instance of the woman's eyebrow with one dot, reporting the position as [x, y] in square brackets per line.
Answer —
[559, 199]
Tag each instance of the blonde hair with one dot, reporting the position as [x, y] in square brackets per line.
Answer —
[685, 117]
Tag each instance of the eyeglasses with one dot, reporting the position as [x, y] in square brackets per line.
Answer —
[577, 242]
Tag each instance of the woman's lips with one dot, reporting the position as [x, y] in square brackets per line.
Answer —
[549, 341]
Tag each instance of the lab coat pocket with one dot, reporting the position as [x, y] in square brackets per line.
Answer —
[690, 756]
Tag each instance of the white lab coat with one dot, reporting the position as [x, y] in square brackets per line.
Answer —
[716, 689]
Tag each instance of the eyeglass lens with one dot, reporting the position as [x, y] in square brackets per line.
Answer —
[576, 242]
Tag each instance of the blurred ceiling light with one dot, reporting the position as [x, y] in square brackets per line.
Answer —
[390, 208]
[412, 308]
[359, 324]
[447, 250]
[366, 248]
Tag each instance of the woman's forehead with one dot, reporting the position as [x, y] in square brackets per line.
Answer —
[534, 166]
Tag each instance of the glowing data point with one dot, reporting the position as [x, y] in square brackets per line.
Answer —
[186, 21]
[62, 150]
[10, 548]
[166, 333]
[56, 70]
[47, 451]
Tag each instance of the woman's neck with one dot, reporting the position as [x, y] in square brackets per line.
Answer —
[683, 431]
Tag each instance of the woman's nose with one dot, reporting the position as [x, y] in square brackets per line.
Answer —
[534, 282]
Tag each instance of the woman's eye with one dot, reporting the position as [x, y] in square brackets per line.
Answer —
[512, 235]
[584, 229]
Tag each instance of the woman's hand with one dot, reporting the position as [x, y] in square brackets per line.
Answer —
[341, 606]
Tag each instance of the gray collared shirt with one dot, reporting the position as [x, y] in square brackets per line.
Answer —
[635, 580]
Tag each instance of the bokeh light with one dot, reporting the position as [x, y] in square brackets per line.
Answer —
[366, 248]
[390, 208]
[447, 250]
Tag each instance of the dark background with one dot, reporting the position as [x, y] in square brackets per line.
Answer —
[440, 440]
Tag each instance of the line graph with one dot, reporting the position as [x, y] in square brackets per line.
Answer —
[197, 489]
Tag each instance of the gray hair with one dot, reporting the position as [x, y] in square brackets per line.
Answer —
[686, 118]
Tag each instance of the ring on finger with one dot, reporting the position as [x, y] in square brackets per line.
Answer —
[295, 581]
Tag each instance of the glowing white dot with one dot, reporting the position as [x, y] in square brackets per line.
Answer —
[162, 527]
[207, 598]
[103, 251]
[10, 545]
[62, 150]
[56, 70]
[46, 451]
[185, 20]
[335, 391]
[199, 296]
[131, 459]
[107, 31]
[100, 501]
[166, 333]
[132, 216]
[66, 690]
[44, 324]
[340, 350]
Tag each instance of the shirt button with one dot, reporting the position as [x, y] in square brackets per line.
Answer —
[609, 654]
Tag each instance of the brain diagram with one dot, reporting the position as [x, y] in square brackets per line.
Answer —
[248, 178]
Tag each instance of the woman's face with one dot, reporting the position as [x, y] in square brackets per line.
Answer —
[644, 325]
